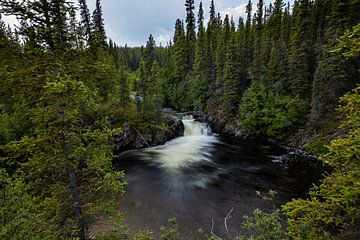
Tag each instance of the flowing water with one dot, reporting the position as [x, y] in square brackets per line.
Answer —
[199, 178]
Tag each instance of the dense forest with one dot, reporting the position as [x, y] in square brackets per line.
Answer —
[274, 72]
[66, 90]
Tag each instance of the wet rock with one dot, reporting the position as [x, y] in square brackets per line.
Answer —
[131, 138]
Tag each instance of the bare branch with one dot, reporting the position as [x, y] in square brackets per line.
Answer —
[226, 218]
[212, 229]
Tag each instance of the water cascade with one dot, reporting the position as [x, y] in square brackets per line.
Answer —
[194, 147]
[199, 177]
[195, 128]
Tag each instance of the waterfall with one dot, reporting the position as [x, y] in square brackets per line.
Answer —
[195, 147]
[195, 128]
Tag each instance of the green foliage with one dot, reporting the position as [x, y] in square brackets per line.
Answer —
[14, 124]
[145, 235]
[332, 211]
[170, 232]
[316, 146]
[266, 225]
[112, 235]
[19, 213]
[275, 116]
[350, 42]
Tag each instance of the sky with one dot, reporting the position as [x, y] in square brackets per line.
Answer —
[132, 21]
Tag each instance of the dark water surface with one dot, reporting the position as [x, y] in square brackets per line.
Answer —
[199, 178]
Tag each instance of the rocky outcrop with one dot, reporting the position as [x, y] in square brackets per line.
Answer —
[132, 138]
[223, 127]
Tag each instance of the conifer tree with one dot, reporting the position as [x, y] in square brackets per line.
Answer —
[142, 83]
[85, 17]
[257, 66]
[190, 32]
[231, 80]
[211, 45]
[98, 28]
[301, 55]
[248, 38]
[199, 85]
[212, 12]
[149, 53]
[180, 56]
[334, 75]
[221, 50]
[42, 23]
[242, 60]
[179, 28]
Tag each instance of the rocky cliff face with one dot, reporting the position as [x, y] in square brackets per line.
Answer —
[131, 138]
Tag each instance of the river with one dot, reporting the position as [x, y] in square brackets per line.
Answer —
[200, 177]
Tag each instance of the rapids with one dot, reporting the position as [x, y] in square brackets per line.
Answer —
[199, 177]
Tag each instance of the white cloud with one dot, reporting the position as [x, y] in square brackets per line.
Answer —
[11, 20]
[235, 12]
[162, 39]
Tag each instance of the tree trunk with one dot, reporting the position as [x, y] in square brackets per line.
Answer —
[77, 203]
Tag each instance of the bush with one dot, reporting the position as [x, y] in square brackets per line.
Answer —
[332, 211]
[275, 116]
[316, 146]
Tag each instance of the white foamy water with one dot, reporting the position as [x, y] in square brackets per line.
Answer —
[194, 147]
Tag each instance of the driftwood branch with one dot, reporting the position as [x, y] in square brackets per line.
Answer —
[212, 229]
[228, 216]
[139, 134]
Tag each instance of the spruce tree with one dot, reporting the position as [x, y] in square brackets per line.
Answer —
[301, 55]
[231, 80]
[180, 55]
[221, 50]
[190, 32]
[98, 28]
[199, 85]
[257, 66]
[43, 23]
[149, 53]
[334, 75]
[211, 45]
[178, 30]
[85, 17]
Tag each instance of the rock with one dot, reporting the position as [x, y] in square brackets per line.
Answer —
[131, 138]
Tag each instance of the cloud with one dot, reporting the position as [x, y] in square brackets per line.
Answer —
[11, 20]
[235, 12]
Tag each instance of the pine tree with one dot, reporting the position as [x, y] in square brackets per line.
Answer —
[231, 81]
[149, 54]
[199, 85]
[142, 85]
[248, 38]
[180, 56]
[199, 65]
[190, 32]
[212, 12]
[179, 28]
[257, 66]
[211, 34]
[243, 60]
[98, 28]
[85, 17]
[329, 82]
[68, 169]
[334, 76]
[301, 55]
[43, 23]
[221, 50]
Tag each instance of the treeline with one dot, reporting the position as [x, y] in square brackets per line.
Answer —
[273, 72]
[62, 99]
